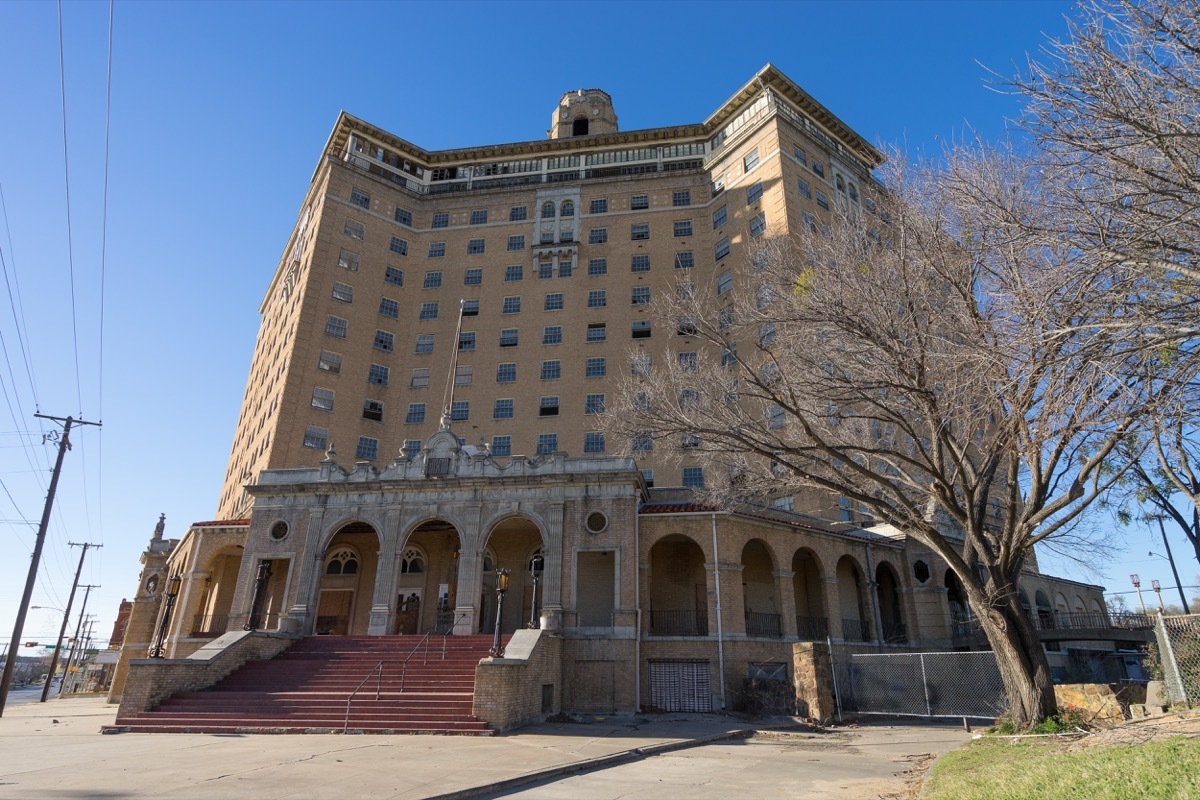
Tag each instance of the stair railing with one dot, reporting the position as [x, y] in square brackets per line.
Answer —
[446, 633]
[404, 666]
[377, 671]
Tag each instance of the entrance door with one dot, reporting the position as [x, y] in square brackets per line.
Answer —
[333, 612]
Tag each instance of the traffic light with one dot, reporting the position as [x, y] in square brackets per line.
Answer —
[31, 644]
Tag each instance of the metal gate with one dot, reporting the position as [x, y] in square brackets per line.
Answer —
[918, 684]
[680, 686]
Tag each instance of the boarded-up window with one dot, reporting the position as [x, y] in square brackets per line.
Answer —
[680, 686]
[594, 589]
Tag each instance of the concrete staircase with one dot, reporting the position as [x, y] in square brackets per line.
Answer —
[425, 686]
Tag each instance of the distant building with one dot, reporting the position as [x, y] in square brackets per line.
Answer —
[118, 633]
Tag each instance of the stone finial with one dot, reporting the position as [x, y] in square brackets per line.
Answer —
[329, 453]
[160, 527]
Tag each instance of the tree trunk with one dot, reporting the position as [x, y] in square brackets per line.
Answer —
[1022, 663]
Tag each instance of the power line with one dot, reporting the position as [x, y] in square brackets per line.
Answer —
[14, 301]
[62, 89]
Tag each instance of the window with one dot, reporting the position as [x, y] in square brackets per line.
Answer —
[425, 344]
[750, 160]
[506, 373]
[404, 217]
[548, 407]
[565, 268]
[552, 334]
[763, 298]
[775, 417]
[719, 217]
[384, 341]
[642, 443]
[547, 236]
[639, 365]
[639, 201]
[336, 326]
[322, 399]
[466, 340]
[545, 270]
[680, 199]
[554, 302]
[593, 442]
[685, 291]
[378, 375]
[479, 217]
[460, 410]
[689, 400]
[683, 228]
[721, 249]
[548, 210]
[818, 168]
[725, 318]
[547, 443]
[514, 272]
[502, 409]
[693, 477]
[724, 282]
[822, 200]
[599, 206]
[437, 249]
[516, 242]
[473, 277]
[464, 376]
[389, 307]
[551, 370]
[687, 361]
[684, 260]
[355, 230]
[568, 209]
[640, 295]
[360, 198]
[412, 447]
[367, 449]
[639, 264]
[512, 304]
[598, 236]
[686, 326]
[330, 362]
[758, 225]
[508, 337]
[315, 437]
[470, 308]
[594, 404]
[597, 298]
[805, 189]
[641, 329]
[754, 192]
[810, 222]
[433, 280]
[420, 377]
[373, 409]
[800, 155]
[518, 214]
[348, 260]
[729, 355]
[416, 414]
[639, 233]
[474, 247]
[595, 368]
[502, 445]
[440, 221]
[597, 332]
[597, 266]
[394, 276]
[343, 292]
[398, 246]
[767, 334]
[429, 311]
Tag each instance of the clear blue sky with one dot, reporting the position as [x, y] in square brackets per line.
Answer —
[219, 111]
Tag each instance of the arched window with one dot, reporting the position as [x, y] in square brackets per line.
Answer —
[854, 192]
[412, 563]
[342, 562]
[547, 210]
[579, 127]
[568, 209]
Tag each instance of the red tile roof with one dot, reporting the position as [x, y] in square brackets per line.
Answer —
[221, 523]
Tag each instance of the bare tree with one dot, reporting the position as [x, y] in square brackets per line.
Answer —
[937, 363]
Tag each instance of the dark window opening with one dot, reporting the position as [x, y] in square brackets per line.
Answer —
[579, 127]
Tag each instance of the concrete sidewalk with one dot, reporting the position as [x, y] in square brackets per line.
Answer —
[54, 751]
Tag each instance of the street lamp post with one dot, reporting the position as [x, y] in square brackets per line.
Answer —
[172, 593]
[497, 650]
[536, 564]
[1137, 584]
[260, 582]
[1154, 584]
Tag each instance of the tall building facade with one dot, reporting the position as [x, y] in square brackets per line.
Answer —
[552, 248]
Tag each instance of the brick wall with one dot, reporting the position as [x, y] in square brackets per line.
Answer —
[509, 691]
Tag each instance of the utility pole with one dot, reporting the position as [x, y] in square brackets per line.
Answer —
[1175, 572]
[64, 444]
[78, 629]
[66, 619]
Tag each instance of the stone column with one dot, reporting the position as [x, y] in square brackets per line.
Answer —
[832, 601]
[304, 599]
[470, 573]
[387, 565]
[552, 576]
[785, 591]
[812, 674]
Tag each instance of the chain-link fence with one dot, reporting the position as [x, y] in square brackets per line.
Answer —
[1178, 640]
[919, 684]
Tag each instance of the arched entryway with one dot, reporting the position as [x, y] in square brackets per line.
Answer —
[678, 588]
[511, 544]
[216, 600]
[1045, 612]
[891, 613]
[427, 579]
[758, 590]
[347, 581]
[811, 621]
[852, 603]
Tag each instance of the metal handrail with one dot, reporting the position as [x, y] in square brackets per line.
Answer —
[378, 683]
[404, 666]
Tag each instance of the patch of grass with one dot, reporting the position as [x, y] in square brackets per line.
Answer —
[1015, 770]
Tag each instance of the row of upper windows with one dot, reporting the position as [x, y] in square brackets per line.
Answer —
[416, 414]
[367, 448]
[379, 374]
